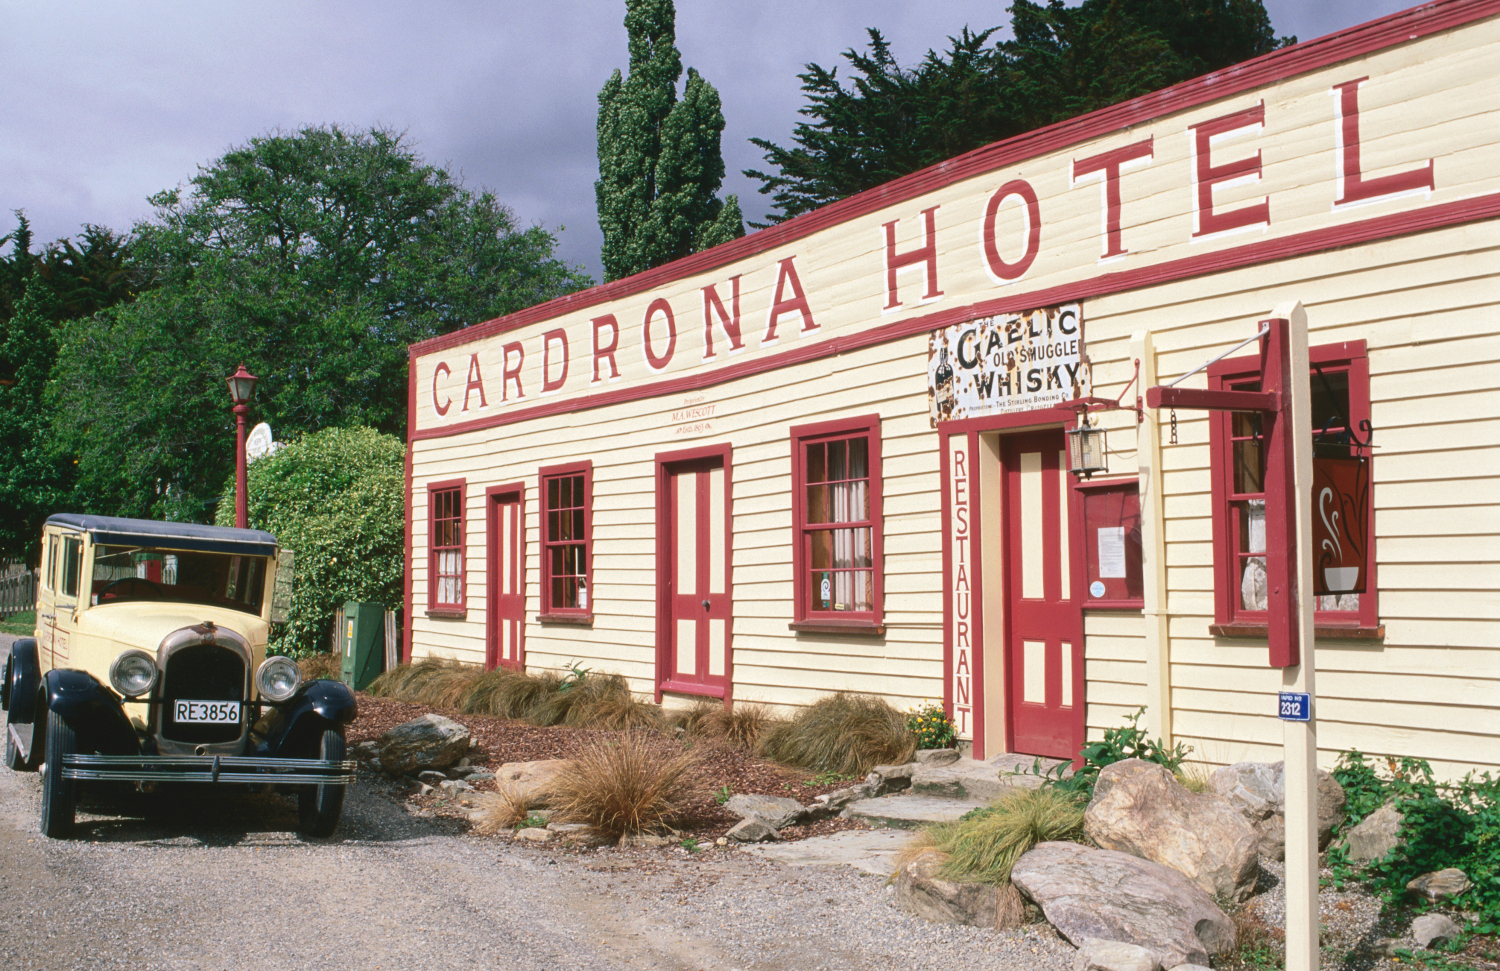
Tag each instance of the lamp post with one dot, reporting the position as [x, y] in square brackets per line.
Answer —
[241, 389]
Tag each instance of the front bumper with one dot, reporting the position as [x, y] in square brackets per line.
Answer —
[208, 768]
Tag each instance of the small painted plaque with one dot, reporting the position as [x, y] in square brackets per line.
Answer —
[1294, 706]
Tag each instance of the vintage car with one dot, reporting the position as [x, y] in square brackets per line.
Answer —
[149, 670]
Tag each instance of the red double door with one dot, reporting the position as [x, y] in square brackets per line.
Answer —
[1043, 616]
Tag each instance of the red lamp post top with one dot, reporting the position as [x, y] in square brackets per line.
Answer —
[241, 386]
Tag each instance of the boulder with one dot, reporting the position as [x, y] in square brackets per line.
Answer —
[1441, 884]
[1434, 930]
[1097, 955]
[1141, 809]
[936, 756]
[920, 891]
[753, 829]
[535, 834]
[429, 742]
[1257, 790]
[774, 811]
[1375, 835]
[1100, 894]
[531, 781]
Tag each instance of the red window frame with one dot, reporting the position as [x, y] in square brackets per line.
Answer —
[1344, 360]
[447, 531]
[807, 615]
[555, 542]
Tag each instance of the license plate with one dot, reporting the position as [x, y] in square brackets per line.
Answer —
[211, 712]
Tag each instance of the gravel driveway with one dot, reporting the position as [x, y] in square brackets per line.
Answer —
[227, 883]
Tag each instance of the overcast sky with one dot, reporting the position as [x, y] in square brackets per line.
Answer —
[106, 103]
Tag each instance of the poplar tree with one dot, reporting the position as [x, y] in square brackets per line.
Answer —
[660, 164]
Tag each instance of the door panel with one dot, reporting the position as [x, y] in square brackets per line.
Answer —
[505, 645]
[697, 600]
[1044, 620]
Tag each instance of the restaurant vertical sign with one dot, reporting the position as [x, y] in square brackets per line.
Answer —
[961, 585]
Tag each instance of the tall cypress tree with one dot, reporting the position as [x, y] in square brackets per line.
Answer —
[660, 165]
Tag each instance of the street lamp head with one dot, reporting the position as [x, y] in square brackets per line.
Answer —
[242, 386]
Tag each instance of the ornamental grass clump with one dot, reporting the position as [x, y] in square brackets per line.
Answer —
[639, 782]
[983, 845]
[844, 734]
[319, 666]
[740, 726]
[506, 808]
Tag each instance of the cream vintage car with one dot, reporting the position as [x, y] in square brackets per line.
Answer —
[149, 668]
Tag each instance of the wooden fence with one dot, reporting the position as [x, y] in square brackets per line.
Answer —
[17, 589]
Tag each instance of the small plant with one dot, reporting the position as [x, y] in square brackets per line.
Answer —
[722, 795]
[691, 844]
[641, 783]
[1118, 744]
[931, 726]
[826, 779]
[533, 821]
[842, 733]
[577, 675]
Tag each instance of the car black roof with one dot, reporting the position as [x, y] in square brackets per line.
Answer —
[118, 531]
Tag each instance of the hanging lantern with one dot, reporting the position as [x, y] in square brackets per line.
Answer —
[1086, 449]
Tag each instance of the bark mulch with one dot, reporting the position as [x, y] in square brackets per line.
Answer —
[500, 740]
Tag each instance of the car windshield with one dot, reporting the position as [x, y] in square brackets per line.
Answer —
[147, 573]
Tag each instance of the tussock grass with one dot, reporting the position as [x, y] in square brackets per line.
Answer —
[1195, 777]
[408, 681]
[982, 847]
[638, 783]
[740, 726]
[843, 733]
[320, 666]
[605, 701]
[502, 809]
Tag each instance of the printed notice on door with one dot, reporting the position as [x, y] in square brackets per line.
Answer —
[1111, 551]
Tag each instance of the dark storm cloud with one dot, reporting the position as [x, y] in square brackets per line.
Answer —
[108, 103]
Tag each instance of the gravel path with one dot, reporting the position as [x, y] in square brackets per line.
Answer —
[226, 883]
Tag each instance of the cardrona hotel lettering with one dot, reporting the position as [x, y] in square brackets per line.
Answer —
[1011, 232]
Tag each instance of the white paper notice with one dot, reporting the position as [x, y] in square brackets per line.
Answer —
[1111, 551]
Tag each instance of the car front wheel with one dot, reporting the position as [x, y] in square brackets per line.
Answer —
[59, 795]
[319, 807]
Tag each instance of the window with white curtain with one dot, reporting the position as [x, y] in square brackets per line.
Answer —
[838, 507]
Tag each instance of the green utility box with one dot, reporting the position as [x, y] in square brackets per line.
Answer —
[364, 644]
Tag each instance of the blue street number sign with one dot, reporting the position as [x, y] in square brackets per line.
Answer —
[1294, 706]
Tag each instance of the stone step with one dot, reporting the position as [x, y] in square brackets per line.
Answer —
[983, 781]
[872, 851]
[910, 810]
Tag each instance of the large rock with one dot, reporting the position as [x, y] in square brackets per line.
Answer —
[1257, 790]
[753, 829]
[1141, 809]
[1434, 930]
[1375, 835]
[775, 811]
[1440, 884]
[429, 742]
[1099, 955]
[1087, 893]
[920, 891]
[531, 781]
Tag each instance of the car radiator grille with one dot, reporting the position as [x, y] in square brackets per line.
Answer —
[205, 672]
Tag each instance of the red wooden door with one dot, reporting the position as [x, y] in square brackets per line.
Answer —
[505, 641]
[697, 616]
[1044, 620]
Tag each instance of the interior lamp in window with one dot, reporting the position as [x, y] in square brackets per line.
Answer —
[1086, 449]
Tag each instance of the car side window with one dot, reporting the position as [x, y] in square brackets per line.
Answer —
[71, 566]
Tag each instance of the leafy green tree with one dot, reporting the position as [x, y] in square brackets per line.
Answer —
[660, 164]
[37, 292]
[335, 498]
[1063, 61]
[314, 258]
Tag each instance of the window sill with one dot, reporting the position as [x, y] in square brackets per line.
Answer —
[448, 613]
[571, 620]
[837, 627]
[1321, 631]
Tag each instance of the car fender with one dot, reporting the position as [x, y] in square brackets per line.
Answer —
[317, 705]
[23, 676]
[95, 712]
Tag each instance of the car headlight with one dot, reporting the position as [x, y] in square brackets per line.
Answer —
[133, 673]
[278, 678]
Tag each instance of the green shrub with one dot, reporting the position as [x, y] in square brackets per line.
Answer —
[1443, 825]
[1118, 744]
[841, 733]
[336, 498]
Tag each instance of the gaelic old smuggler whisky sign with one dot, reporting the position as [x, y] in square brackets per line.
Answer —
[1006, 363]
